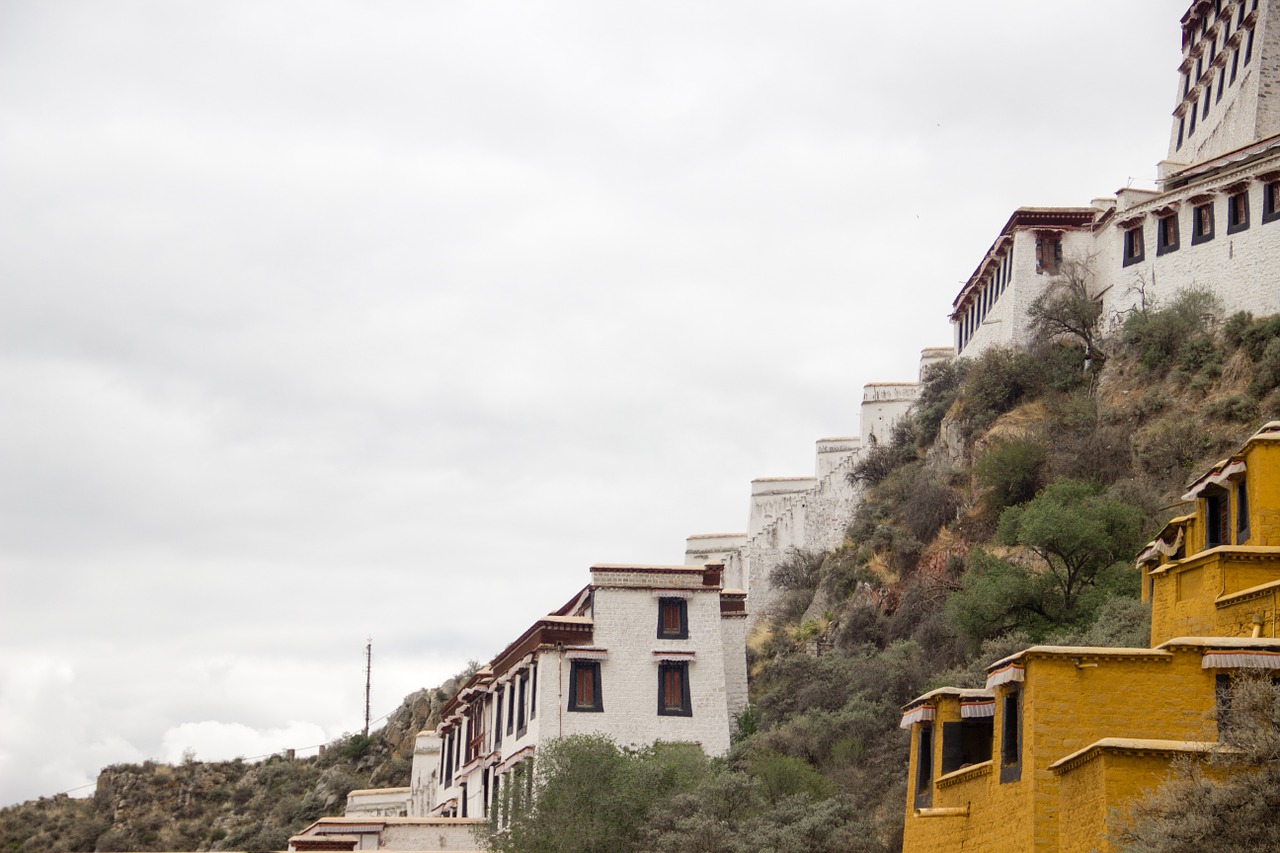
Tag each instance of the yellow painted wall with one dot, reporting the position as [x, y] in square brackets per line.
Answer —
[1263, 485]
[1064, 709]
[1096, 795]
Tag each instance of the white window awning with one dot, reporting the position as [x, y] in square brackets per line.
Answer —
[1005, 675]
[1240, 659]
[587, 654]
[978, 710]
[920, 714]
[1216, 478]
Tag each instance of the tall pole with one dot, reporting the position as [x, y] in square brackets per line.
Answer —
[368, 681]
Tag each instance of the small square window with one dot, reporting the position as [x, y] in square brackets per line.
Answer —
[1238, 212]
[673, 690]
[1167, 235]
[673, 619]
[1271, 202]
[1134, 248]
[1202, 223]
[584, 686]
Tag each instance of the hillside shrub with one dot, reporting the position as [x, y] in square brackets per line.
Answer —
[1158, 335]
[1266, 375]
[995, 382]
[940, 385]
[1010, 471]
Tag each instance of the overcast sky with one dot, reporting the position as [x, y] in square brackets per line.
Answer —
[343, 318]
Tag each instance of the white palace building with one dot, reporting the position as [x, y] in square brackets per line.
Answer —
[1209, 223]
[647, 653]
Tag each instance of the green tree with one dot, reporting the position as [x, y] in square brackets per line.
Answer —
[591, 795]
[1076, 531]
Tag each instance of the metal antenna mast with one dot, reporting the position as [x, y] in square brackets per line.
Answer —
[368, 681]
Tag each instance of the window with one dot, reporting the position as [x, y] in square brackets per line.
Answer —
[533, 692]
[1238, 212]
[1235, 64]
[966, 742]
[462, 798]
[1167, 234]
[584, 686]
[1242, 513]
[1271, 202]
[1182, 127]
[1048, 255]
[475, 731]
[1208, 95]
[673, 689]
[1222, 84]
[511, 709]
[448, 764]
[1191, 131]
[1011, 737]
[523, 687]
[673, 619]
[1215, 518]
[497, 722]
[1248, 48]
[924, 766]
[1202, 223]
[1222, 701]
[1133, 245]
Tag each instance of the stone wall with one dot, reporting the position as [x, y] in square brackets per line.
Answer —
[807, 513]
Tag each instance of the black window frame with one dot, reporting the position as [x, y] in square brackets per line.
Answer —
[1238, 212]
[966, 742]
[1011, 737]
[1165, 245]
[1199, 233]
[1242, 511]
[1135, 245]
[681, 607]
[666, 708]
[511, 709]
[497, 722]
[593, 667]
[522, 696]
[924, 766]
[1271, 201]
[533, 692]
[1217, 517]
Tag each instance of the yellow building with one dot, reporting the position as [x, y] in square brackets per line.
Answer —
[1049, 756]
